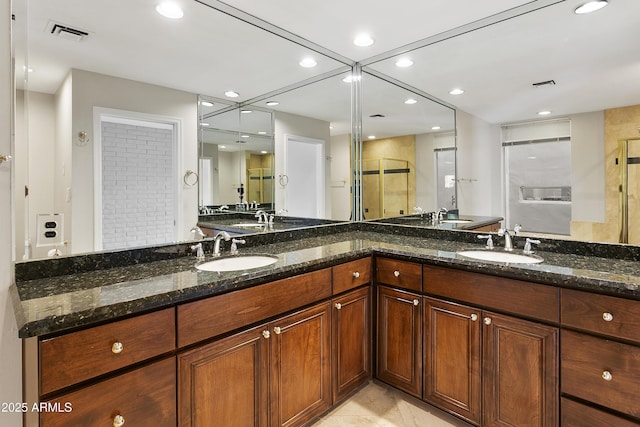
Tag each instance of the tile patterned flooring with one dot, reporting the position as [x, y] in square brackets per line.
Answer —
[382, 406]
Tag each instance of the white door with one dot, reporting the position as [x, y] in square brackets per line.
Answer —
[304, 177]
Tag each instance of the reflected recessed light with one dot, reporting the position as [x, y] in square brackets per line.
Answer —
[404, 63]
[222, 146]
[411, 101]
[544, 113]
[263, 152]
[28, 69]
[244, 136]
[590, 6]
[232, 94]
[262, 132]
[204, 124]
[435, 128]
[169, 9]
[456, 91]
[531, 157]
[308, 62]
[246, 111]
[272, 103]
[372, 137]
[206, 103]
[363, 40]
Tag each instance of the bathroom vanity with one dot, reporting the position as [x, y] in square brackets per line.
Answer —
[546, 344]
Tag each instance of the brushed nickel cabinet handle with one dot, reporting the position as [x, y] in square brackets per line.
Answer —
[266, 334]
[277, 330]
[396, 273]
[487, 320]
[338, 306]
[118, 421]
[356, 274]
[473, 317]
[412, 302]
[117, 347]
[606, 375]
[607, 317]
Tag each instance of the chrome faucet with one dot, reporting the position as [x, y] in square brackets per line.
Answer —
[527, 246]
[197, 232]
[216, 243]
[262, 217]
[199, 251]
[508, 243]
[234, 245]
[441, 212]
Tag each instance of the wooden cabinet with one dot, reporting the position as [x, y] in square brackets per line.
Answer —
[143, 397]
[520, 379]
[399, 340]
[577, 415]
[452, 354]
[399, 274]
[351, 275]
[351, 336]
[226, 382]
[277, 373]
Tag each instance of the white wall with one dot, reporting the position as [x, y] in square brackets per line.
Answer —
[10, 346]
[340, 177]
[479, 159]
[291, 124]
[97, 90]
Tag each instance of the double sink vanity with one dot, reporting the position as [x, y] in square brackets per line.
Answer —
[155, 337]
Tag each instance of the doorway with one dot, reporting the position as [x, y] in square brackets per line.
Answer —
[303, 180]
[136, 189]
[629, 200]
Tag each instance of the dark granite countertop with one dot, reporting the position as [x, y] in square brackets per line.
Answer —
[247, 223]
[451, 222]
[53, 304]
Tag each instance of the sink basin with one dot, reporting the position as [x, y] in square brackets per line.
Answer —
[455, 221]
[501, 256]
[248, 224]
[237, 262]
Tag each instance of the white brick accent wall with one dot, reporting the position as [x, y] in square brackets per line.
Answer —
[138, 185]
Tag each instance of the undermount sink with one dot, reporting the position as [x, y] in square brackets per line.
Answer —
[248, 224]
[455, 221]
[237, 262]
[501, 256]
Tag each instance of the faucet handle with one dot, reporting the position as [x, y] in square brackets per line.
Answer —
[527, 245]
[489, 238]
[516, 229]
[234, 245]
[502, 231]
[198, 250]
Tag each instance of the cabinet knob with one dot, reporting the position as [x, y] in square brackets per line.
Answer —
[277, 330]
[118, 421]
[338, 306]
[117, 347]
[396, 273]
[607, 317]
[356, 274]
[606, 375]
[416, 302]
[473, 317]
[266, 334]
[487, 320]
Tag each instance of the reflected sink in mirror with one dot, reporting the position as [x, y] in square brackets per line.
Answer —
[500, 256]
[237, 263]
[455, 221]
[248, 224]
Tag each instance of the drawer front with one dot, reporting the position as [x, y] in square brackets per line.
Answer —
[217, 315]
[577, 415]
[617, 317]
[511, 296]
[601, 371]
[401, 274]
[143, 397]
[78, 356]
[351, 275]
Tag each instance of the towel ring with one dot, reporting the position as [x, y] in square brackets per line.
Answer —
[283, 179]
[188, 179]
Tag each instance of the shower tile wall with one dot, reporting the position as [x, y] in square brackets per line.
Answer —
[138, 185]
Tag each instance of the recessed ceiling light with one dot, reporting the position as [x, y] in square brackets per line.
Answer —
[411, 101]
[246, 111]
[544, 113]
[308, 62]
[531, 157]
[272, 103]
[372, 137]
[29, 69]
[590, 6]
[262, 132]
[206, 103]
[263, 152]
[169, 9]
[232, 94]
[404, 63]
[363, 40]
[435, 128]
[204, 124]
[244, 136]
[456, 91]
[222, 146]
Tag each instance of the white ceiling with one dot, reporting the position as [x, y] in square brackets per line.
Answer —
[594, 59]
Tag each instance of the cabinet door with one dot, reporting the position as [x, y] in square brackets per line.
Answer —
[399, 343]
[452, 351]
[225, 383]
[351, 342]
[520, 372]
[300, 371]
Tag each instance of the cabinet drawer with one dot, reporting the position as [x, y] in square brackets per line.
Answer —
[577, 415]
[78, 356]
[143, 397]
[508, 295]
[401, 274]
[351, 275]
[601, 371]
[617, 317]
[214, 316]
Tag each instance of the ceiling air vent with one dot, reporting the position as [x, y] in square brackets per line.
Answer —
[544, 83]
[376, 116]
[66, 32]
